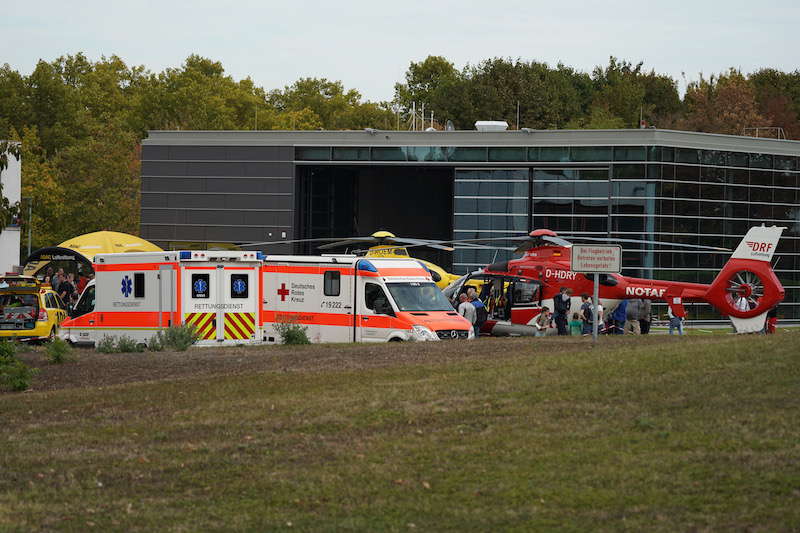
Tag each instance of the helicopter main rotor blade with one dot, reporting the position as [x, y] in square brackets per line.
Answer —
[347, 242]
[419, 242]
[640, 241]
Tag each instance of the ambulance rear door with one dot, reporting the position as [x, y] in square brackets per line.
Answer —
[221, 300]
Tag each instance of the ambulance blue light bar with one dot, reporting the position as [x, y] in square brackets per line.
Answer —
[366, 266]
[186, 255]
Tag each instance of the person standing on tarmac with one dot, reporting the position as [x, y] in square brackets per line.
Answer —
[561, 303]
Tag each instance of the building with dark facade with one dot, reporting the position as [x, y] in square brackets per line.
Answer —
[221, 188]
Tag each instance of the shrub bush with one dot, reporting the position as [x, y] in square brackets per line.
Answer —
[16, 375]
[58, 351]
[127, 344]
[156, 343]
[179, 338]
[291, 333]
[108, 344]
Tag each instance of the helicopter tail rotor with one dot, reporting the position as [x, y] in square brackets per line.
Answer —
[747, 287]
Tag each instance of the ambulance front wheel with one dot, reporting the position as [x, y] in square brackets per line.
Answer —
[395, 339]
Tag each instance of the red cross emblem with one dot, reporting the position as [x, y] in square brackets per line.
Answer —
[283, 292]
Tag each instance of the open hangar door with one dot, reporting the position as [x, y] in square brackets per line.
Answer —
[345, 201]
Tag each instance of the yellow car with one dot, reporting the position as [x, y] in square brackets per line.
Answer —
[29, 311]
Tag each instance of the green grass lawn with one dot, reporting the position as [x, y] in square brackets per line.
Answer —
[639, 434]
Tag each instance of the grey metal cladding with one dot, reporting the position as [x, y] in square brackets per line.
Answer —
[217, 153]
[217, 168]
[247, 185]
[154, 152]
[219, 201]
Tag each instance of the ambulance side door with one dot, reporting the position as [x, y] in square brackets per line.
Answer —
[336, 304]
[374, 312]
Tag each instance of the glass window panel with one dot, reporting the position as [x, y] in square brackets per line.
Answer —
[627, 224]
[465, 205]
[654, 171]
[630, 153]
[761, 177]
[760, 212]
[654, 153]
[555, 174]
[597, 224]
[312, 153]
[687, 190]
[548, 206]
[739, 176]
[553, 153]
[507, 154]
[544, 189]
[785, 179]
[668, 189]
[785, 162]
[630, 188]
[736, 193]
[388, 153]
[760, 194]
[425, 153]
[712, 192]
[712, 174]
[590, 153]
[686, 208]
[590, 206]
[510, 174]
[629, 206]
[466, 188]
[593, 174]
[667, 172]
[592, 189]
[667, 153]
[348, 153]
[760, 161]
[738, 159]
[629, 171]
[533, 154]
[667, 207]
[565, 189]
[687, 173]
[468, 154]
[466, 222]
[713, 157]
[687, 155]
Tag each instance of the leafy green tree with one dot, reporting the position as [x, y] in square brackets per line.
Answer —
[40, 184]
[600, 118]
[7, 209]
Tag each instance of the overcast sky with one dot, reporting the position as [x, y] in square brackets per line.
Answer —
[368, 45]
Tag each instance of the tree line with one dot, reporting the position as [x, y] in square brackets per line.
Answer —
[80, 122]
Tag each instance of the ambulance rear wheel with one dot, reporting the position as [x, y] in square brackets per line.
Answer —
[395, 339]
[52, 336]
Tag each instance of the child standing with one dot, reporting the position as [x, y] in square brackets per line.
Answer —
[575, 325]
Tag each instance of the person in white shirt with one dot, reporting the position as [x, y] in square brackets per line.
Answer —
[466, 309]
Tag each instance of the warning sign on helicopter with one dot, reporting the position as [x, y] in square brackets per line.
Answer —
[590, 258]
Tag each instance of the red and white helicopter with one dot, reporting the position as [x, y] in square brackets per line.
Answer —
[515, 291]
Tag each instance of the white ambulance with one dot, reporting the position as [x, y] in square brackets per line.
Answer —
[345, 298]
[138, 294]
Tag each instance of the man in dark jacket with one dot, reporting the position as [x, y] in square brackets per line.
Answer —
[561, 303]
[645, 315]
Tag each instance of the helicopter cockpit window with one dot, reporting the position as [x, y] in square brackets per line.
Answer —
[525, 293]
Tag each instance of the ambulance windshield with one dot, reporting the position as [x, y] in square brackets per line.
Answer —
[418, 296]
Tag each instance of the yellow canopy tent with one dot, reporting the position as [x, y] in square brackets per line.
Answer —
[84, 247]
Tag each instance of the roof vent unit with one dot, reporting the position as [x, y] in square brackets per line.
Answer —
[491, 125]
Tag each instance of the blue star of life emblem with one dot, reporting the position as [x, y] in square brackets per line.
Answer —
[127, 286]
[200, 285]
[239, 286]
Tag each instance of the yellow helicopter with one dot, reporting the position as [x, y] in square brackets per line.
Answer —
[386, 244]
